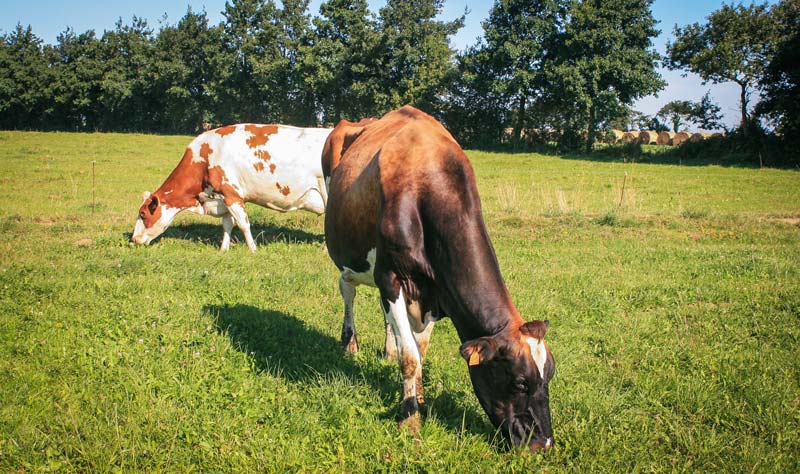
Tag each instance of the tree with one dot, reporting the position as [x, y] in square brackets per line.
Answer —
[125, 87]
[705, 114]
[345, 60]
[606, 61]
[24, 80]
[298, 102]
[188, 68]
[415, 55]
[519, 35]
[731, 46]
[781, 82]
[258, 74]
[77, 73]
[676, 112]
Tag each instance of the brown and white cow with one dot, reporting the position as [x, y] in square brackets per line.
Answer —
[275, 166]
[404, 215]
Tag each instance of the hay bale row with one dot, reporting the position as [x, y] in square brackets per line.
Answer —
[680, 137]
[665, 138]
[617, 134]
[699, 137]
[648, 137]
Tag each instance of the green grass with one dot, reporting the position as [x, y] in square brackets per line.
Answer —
[674, 310]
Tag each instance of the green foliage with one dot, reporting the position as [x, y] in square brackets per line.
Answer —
[415, 54]
[674, 326]
[345, 58]
[607, 61]
[780, 84]
[705, 114]
[731, 46]
[24, 80]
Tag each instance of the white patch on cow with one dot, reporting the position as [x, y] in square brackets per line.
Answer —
[538, 352]
[361, 278]
[145, 235]
[399, 319]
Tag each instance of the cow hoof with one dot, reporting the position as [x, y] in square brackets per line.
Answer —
[350, 345]
[412, 424]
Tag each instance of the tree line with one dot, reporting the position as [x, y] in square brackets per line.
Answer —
[567, 69]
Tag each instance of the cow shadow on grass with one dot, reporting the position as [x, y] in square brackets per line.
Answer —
[281, 344]
[211, 234]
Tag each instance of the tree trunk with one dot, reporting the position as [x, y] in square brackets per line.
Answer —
[591, 131]
[743, 104]
[517, 132]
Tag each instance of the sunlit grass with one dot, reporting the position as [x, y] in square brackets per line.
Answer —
[674, 310]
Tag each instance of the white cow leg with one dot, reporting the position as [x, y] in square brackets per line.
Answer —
[349, 339]
[410, 363]
[227, 227]
[240, 216]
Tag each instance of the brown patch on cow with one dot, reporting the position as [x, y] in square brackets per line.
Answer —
[150, 212]
[259, 134]
[283, 189]
[259, 166]
[205, 150]
[535, 329]
[272, 168]
[226, 130]
[218, 181]
[263, 155]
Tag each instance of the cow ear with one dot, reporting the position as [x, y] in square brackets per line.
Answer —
[535, 329]
[145, 195]
[153, 205]
[477, 351]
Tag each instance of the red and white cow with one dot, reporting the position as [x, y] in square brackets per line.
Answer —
[275, 166]
[404, 215]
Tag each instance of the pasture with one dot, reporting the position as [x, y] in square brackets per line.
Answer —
[674, 313]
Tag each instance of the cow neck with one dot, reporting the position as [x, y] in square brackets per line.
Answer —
[182, 186]
[477, 292]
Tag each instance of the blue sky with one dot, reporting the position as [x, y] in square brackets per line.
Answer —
[50, 17]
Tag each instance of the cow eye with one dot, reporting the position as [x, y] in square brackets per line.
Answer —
[521, 385]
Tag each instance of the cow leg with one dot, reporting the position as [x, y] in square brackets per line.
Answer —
[390, 346]
[410, 362]
[227, 226]
[422, 339]
[240, 217]
[348, 290]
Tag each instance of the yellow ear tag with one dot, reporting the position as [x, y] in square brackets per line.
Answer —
[474, 359]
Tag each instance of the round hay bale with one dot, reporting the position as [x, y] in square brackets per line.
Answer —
[630, 137]
[717, 135]
[615, 136]
[648, 137]
[665, 138]
[680, 137]
[698, 137]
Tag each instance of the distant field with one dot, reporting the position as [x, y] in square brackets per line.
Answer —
[674, 311]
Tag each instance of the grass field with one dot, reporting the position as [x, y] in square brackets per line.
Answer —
[674, 311]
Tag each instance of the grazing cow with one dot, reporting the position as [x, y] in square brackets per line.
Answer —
[404, 215]
[275, 166]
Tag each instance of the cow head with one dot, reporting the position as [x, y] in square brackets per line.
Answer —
[510, 373]
[154, 218]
